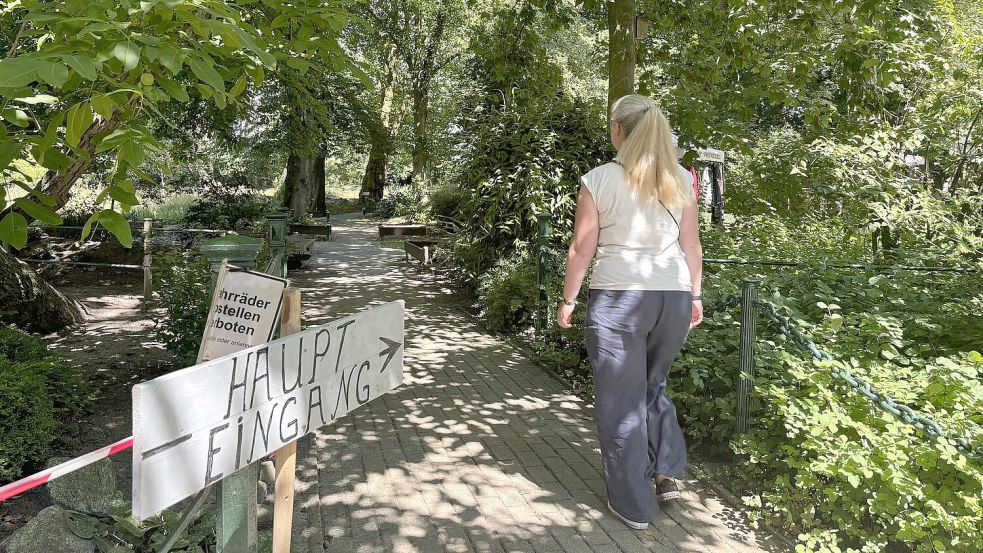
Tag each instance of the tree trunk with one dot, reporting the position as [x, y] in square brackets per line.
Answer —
[374, 180]
[301, 183]
[621, 49]
[382, 131]
[27, 301]
[58, 184]
[421, 113]
[320, 192]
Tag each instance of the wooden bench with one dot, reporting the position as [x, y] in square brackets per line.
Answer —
[323, 232]
[421, 250]
[402, 230]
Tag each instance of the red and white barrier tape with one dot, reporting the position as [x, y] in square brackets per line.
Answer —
[33, 481]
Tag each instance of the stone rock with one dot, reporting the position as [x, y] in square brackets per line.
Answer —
[262, 491]
[267, 472]
[91, 489]
[47, 532]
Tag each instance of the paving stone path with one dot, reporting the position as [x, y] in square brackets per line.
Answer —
[480, 450]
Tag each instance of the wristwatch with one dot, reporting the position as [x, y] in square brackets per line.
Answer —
[698, 298]
[570, 303]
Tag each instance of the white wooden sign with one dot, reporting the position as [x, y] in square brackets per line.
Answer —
[198, 425]
[244, 312]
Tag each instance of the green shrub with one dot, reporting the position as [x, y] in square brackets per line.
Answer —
[184, 297]
[18, 346]
[507, 293]
[41, 401]
[883, 485]
[522, 159]
[445, 203]
[120, 532]
[399, 202]
[225, 208]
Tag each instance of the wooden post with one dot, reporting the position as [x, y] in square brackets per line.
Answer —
[148, 277]
[286, 456]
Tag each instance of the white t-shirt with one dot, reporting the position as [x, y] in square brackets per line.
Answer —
[638, 247]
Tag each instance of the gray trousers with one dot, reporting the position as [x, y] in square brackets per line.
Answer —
[633, 336]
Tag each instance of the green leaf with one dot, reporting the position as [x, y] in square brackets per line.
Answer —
[53, 73]
[114, 139]
[131, 153]
[84, 66]
[239, 87]
[16, 117]
[19, 71]
[38, 211]
[127, 199]
[103, 105]
[79, 119]
[175, 90]
[207, 74]
[38, 99]
[170, 57]
[117, 224]
[55, 160]
[9, 150]
[299, 64]
[128, 54]
[13, 230]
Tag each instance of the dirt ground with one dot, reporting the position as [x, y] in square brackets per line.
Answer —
[115, 349]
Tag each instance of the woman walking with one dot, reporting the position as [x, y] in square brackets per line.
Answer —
[637, 218]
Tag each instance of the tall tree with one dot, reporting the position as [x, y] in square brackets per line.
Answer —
[621, 49]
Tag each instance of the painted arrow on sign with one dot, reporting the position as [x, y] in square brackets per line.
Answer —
[392, 346]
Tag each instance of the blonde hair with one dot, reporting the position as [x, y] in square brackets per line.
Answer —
[648, 152]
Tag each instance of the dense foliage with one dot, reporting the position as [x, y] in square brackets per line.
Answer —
[120, 532]
[184, 299]
[523, 159]
[228, 208]
[41, 399]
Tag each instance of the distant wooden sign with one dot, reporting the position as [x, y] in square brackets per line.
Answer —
[244, 312]
[195, 426]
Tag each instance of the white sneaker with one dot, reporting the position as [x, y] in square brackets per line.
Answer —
[666, 490]
[630, 523]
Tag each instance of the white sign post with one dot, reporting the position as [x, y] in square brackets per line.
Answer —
[198, 425]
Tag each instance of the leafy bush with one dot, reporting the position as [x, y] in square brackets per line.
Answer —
[399, 202]
[41, 400]
[882, 483]
[445, 203]
[506, 292]
[121, 532]
[522, 159]
[224, 208]
[183, 295]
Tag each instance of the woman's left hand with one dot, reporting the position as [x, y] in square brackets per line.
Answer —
[697, 316]
[563, 315]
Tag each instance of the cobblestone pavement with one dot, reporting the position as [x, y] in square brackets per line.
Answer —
[479, 450]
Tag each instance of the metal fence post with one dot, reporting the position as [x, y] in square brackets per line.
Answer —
[235, 495]
[749, 294]
[277, 238]
[542, 278]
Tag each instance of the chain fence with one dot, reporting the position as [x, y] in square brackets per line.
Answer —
[855, 383]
